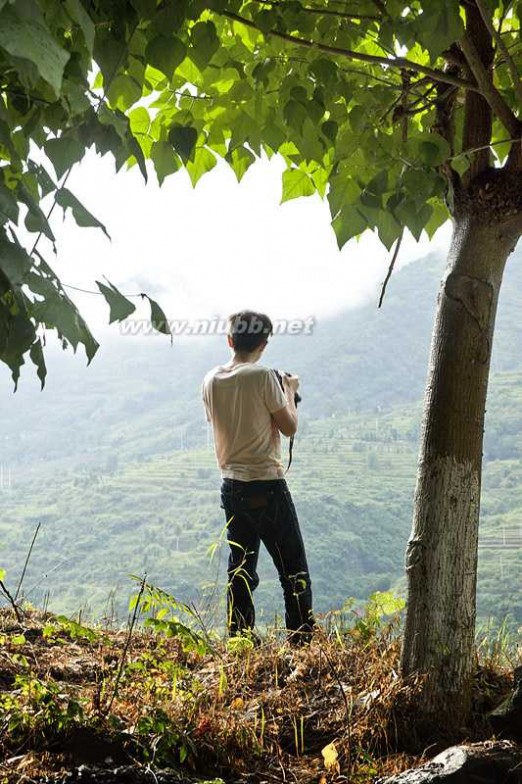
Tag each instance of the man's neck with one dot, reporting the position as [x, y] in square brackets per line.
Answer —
[243, 359]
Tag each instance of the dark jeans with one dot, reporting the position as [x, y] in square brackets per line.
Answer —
[263, 511]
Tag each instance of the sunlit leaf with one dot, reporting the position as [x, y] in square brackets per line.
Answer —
[296, 183]
[203, 162]
[240, 160]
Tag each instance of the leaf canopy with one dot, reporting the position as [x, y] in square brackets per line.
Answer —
[381, 107]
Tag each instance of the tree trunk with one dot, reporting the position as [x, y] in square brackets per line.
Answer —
[441, 557]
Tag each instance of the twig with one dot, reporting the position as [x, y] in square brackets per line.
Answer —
[483, 147]
[11, 601]
[19, 586]
[390, 268]
[127, 643]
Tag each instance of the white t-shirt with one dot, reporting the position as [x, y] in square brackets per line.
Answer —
[239, 401]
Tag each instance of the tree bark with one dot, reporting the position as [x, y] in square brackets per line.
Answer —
[441, 556]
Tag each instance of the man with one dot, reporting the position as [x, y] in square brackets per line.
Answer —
[248, 410]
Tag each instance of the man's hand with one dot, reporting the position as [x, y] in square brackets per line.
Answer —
[286, 418]
[290, 385]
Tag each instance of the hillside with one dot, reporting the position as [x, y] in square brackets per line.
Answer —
[115, 462]
[173, 704]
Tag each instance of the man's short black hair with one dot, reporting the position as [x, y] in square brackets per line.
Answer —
[249, 330]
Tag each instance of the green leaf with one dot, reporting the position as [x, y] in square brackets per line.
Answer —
[165, 54]
[35, 219]
[261, 72]
[439, 25]
[124, 91]
[461, 163]
[343, 190]
[383, 603]
[240, 159]
[164, 159]
[157, 317]
[205, 44]
[46, 183]
[29, 39]
[37, 358]
[20, 336]
[9, 209]
[15, 263]
[145, 8]
[439, 216]
[183, 138]
[295, 114]
[349, 223]
[82, 216]
[204, 161]
[139, 121]
[325, 70]
[388, 228]
[434, 151]
[419, 220]
[64, 153]
[296, 183]
[120, 306]
[330, 129]
[79, 15]
[58, 312]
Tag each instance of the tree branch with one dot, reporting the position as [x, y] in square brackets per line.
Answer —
[395, 62]
[495, 34]
[390, 268]
[486, 87]
[12, 602]
[322, 11]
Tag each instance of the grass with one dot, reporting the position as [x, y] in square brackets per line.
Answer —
[173, 698]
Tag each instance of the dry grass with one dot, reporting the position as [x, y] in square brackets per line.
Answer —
[251, 714]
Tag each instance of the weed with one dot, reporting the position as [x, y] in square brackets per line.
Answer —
[61, 629]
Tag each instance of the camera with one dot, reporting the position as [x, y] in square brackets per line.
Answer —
[297, 396]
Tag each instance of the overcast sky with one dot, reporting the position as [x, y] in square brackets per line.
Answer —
[222, 246]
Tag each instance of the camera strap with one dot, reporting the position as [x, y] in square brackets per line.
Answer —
[290, 452]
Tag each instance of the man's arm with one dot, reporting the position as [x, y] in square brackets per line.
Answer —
[286, 418]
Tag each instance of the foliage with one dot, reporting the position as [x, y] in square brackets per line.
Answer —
[366, 104]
